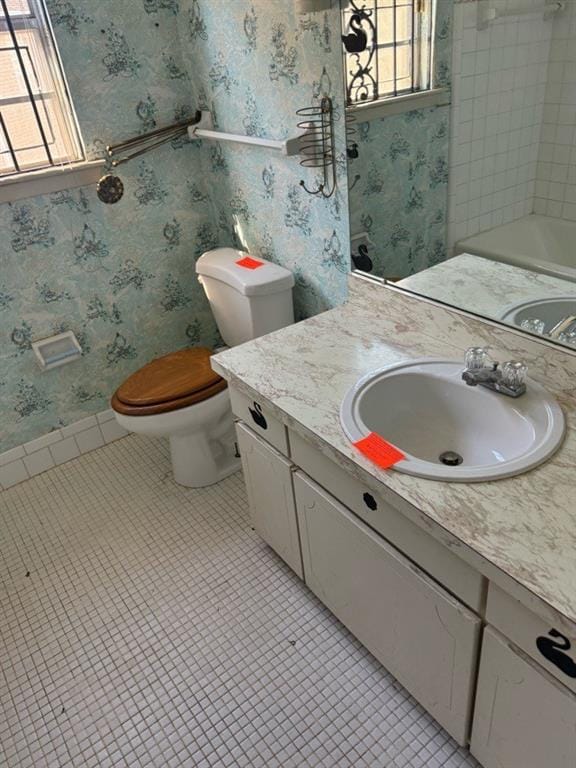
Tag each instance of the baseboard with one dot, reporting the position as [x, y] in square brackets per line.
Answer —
[58, 447]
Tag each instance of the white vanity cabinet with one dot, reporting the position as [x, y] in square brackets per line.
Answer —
[418, 607]
[420, 633]
[268, 480]
[425, 636]
[523, 717]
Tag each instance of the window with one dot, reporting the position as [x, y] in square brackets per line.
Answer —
[388, 48]
[37, 124]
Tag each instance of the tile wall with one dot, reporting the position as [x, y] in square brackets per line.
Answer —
[499, 94]
[555, 193]
[58, 447]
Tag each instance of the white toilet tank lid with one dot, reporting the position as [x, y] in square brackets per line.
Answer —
[223, 264]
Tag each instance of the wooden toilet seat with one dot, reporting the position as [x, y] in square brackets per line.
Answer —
[168, 383]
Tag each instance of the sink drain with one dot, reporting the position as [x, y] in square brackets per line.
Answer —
[451, 458]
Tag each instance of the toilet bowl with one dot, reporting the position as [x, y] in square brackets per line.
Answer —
[202, 439]
[179, 396]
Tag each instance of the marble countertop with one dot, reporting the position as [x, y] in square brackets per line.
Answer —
[520, 532]
[484, 286]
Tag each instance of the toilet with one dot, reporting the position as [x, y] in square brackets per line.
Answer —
[179, 396]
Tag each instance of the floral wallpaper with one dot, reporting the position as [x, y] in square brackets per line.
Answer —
[122, 276]
[399, 191]
[255, 63]
[398, 179]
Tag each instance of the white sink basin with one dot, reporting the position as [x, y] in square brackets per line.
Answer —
[551, 311]
[425, 409]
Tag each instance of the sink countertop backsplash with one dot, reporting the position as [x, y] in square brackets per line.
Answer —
[520, 532]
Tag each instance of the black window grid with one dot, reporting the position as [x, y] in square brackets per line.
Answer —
[363, 77]
[12, 23]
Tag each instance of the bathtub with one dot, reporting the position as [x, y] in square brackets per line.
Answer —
[538, 243]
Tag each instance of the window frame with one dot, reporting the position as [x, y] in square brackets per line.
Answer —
[394, 100]
[39, 19]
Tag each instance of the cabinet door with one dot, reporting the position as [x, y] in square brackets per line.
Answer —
[268, 478]
[523, 717]
[551, 647]
[389, 515]
[420, 633]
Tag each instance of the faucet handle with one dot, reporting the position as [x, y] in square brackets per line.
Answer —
[514, 374]
[477, 358]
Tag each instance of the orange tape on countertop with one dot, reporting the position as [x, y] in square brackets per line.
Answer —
[379, 451]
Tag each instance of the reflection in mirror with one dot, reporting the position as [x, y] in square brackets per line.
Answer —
[462, 154]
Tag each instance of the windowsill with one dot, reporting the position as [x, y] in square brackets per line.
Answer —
[22, 186]
[436, 97]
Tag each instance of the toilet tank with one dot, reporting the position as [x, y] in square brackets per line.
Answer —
[249, 297]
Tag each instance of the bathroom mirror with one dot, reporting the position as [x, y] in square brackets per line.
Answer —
[461, 143]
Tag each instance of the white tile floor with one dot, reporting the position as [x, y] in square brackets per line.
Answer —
[143, 624]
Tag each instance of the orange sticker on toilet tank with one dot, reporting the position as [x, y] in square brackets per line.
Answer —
[379, 451]
[249, 263]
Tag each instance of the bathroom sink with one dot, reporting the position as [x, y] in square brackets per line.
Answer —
[550, 311]
[425, 410]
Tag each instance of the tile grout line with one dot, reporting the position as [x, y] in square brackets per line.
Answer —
[58, 447]
[146, 624]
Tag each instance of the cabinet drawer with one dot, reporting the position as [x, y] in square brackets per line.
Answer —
[436, 559]
[523, 718]
[259, 418]
[549, 646]
[268, 477]
[419, 632]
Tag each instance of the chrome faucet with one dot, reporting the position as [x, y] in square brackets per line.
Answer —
[507, 379]
[564, 325]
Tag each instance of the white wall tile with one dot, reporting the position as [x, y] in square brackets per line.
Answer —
[42, 442]
[105, 416]
[501, 76]
[64, 451]
[12, 455]
[13, 473]
[39, 462]
[58, 447]
[557, 156]
[89, 439]
[111, 431]
[79, 426]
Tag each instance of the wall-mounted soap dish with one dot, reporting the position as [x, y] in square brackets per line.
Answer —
[58, 350]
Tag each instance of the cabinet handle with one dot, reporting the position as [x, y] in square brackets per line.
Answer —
[258, 416]
[370, 501]
[553, 651]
